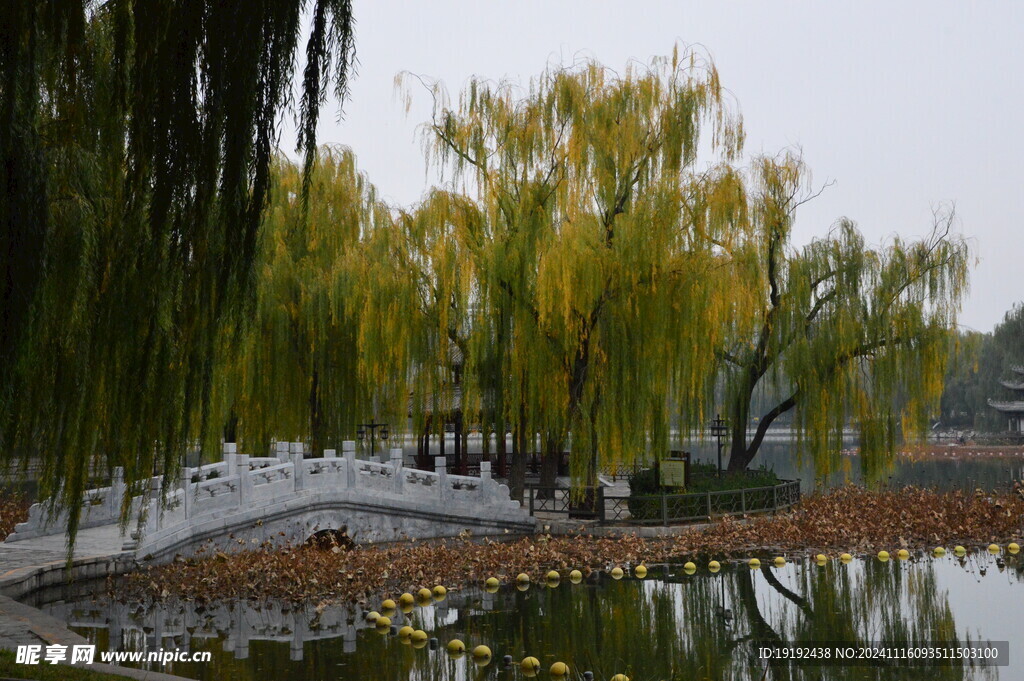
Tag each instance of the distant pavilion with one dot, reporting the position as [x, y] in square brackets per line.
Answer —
[1014, 409]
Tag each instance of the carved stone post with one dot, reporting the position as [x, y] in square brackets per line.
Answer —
[441, 466]
[244, 482]
[298, 465]
[230, 454]
[396, 466]
[348, 450]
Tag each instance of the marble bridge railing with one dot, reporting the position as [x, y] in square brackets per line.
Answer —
[248, 487]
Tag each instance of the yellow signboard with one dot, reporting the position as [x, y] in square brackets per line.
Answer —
[673, 473]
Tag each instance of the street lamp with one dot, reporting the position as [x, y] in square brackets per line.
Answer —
[719, 427]
[372, 426]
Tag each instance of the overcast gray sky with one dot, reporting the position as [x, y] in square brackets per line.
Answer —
[904, 105]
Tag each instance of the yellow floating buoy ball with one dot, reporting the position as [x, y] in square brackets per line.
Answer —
[530, 664]
[714, 566]
[617, 573]
[456, 647]
[418, 638]
[779, 561]
[939, 551]
[575, 576]
[959, 550]
[1012, 547]
[492, 582]
[993, 548]
[406, 599]
[553, 576]
[522, 586]
[640, 571]
[523, 578]
[821, 558]
[883, 556]
[846, 558]
[405, 633]
[903, 554]
[754, 564]
[481, 653]
[372, 616]
[424, 595]
[383, 623]
[690, 567]
[559, 669]
[620, 677]
[440, 593]
[388, 604]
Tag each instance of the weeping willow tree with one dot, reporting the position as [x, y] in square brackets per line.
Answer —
[603, 255]
[137, 139]
[292, 373]
[842, 330]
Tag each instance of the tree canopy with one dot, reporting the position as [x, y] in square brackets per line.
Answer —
[843, 330]
[137, 140]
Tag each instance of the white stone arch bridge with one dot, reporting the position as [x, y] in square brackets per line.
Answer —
[245, 501]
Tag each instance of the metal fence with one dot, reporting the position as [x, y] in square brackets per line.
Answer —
[661, 508]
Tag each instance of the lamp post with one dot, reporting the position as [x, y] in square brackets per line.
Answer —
[372, 426]
[719, 427]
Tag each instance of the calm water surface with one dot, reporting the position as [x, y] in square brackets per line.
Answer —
[965, 472]
[668, 626]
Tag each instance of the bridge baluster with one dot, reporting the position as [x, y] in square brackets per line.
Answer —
[441, 467]
[117, 488]
[348, 449]
[186, 487]
[230, 454]
[396, 465]
[297, 457]
[245, 482]
[282, 451]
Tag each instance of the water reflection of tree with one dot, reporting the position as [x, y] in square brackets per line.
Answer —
[855, 604]
[677, 627]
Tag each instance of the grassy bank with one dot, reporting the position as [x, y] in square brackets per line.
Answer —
[850, 519]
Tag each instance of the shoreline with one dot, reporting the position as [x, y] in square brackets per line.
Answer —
[831, 523]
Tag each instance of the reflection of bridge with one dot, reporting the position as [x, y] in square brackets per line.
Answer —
[249, 501]
[237, 623]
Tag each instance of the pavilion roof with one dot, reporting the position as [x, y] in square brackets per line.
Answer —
[1014, 407]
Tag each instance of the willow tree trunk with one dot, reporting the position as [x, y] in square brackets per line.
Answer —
[742, 452]
[517, 475]
[549, 465]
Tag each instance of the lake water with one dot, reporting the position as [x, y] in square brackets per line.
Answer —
[671, 625]
[952, 472]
